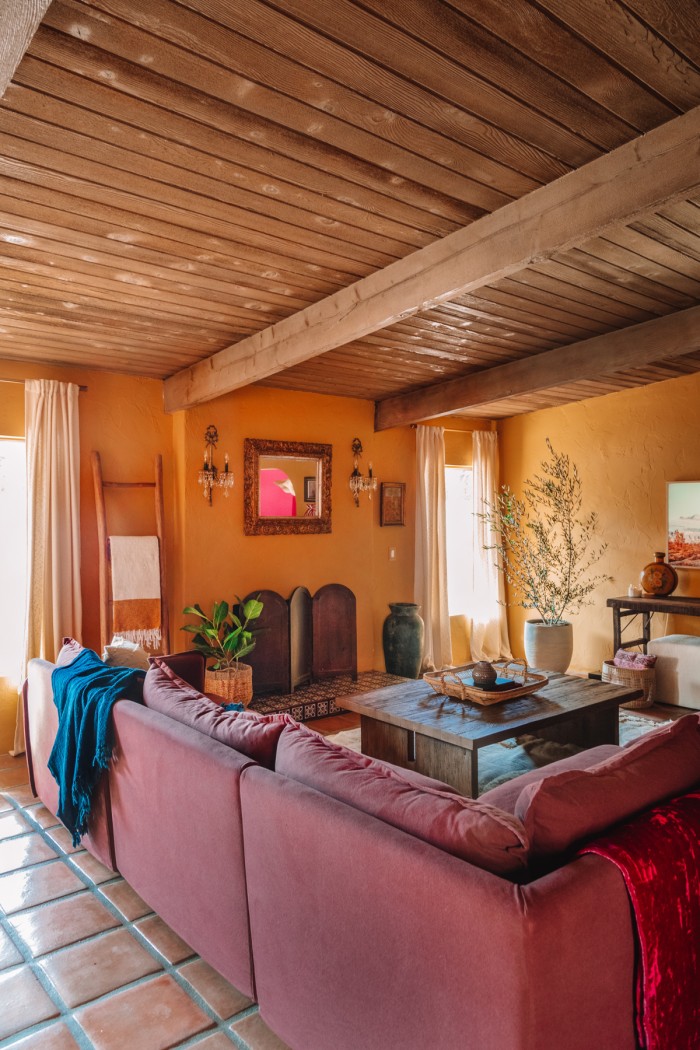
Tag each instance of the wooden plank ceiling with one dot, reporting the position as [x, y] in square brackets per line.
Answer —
[178, 177]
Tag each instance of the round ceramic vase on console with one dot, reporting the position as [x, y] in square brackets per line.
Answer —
[658, 577]
[548, 646]
[402, 639]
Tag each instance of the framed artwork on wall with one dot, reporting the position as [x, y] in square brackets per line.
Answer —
[684, 524]
[310, 489]
[391, 503]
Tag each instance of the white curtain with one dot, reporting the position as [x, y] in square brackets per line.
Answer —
[54, 606]
[431, 547]
[489, 627]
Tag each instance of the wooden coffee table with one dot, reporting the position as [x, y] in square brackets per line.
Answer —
[414, 727]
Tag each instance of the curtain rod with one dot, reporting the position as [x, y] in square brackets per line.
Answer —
[82, 389]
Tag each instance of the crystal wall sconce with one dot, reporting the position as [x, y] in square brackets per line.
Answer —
[360, 482]
[209, 476]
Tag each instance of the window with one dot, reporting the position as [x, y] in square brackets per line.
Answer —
[459, 515]
[13, 556]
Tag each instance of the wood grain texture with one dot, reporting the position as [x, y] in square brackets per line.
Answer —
[615, 188]
[185, 176]
[20, 20]
[671, 336]
[415, 706]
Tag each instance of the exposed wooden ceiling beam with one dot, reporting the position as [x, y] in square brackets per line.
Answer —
[640, 344]
[614, 189]
[20, 21]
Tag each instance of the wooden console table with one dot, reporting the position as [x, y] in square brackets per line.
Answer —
[646, 607]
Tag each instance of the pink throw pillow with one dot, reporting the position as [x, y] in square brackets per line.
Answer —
[636, 661]
[565, 808]
[68, 652]
[480, 834]
[253, 735]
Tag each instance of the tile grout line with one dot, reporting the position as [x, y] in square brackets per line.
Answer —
[64, 1011]
[66, 1014]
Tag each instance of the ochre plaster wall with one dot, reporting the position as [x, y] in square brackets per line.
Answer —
[627, 446]
[219, 561]
[208, 556]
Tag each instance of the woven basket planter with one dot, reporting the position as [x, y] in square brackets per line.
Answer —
[635, 678]
[234, 684]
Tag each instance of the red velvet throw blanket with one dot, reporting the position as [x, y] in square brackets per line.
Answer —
[658, 855]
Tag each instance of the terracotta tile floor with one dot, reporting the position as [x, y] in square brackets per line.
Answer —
[85, 963]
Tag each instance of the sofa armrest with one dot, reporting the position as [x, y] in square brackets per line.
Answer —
[27, 741]
[40, 727]
[413, 947]
[41, 724]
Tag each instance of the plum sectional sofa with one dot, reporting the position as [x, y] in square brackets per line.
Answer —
[365, 906]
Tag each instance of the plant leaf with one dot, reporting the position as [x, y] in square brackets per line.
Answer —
[252, 609]
[232, 641]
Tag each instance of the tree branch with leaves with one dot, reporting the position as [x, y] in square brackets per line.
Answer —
[545, 545]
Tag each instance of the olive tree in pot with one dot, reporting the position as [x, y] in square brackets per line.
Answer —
[546, 552]
[225, 637]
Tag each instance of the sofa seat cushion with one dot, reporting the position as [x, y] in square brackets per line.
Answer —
[253, 735]
[560, 810]
[506, 795]
[482, 835]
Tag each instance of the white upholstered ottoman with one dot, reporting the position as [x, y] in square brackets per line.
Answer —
[677, 669]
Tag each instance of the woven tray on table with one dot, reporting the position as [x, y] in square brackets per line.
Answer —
[643, 678]
[458, 682]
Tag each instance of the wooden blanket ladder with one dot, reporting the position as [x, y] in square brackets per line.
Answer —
[105, 574]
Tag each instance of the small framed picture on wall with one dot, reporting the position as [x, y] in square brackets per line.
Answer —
[391, 503]
[310, 489]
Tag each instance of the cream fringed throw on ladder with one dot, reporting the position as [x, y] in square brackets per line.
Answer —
[136, 610]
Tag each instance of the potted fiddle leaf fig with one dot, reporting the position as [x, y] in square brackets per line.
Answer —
[224, 637]
[546, 549]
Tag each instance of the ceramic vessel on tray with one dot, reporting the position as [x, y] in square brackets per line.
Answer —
[484, 674]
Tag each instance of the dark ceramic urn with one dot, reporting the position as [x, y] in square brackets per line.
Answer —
[402, 639]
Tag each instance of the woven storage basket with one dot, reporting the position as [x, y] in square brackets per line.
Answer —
[634, 678]
[234, 684]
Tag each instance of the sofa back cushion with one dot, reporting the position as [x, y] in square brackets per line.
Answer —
[253, 735]
[565, 808]
[482, 835]
[506, 795]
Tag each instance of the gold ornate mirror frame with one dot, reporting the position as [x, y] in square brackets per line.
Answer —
[254, 524]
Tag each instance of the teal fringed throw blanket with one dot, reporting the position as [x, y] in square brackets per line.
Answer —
[84, 693]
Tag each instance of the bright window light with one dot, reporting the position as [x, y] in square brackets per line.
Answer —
[460, 530]
[13, 556]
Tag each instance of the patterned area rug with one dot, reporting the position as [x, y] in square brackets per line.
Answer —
[499, 763]
[318, 700]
